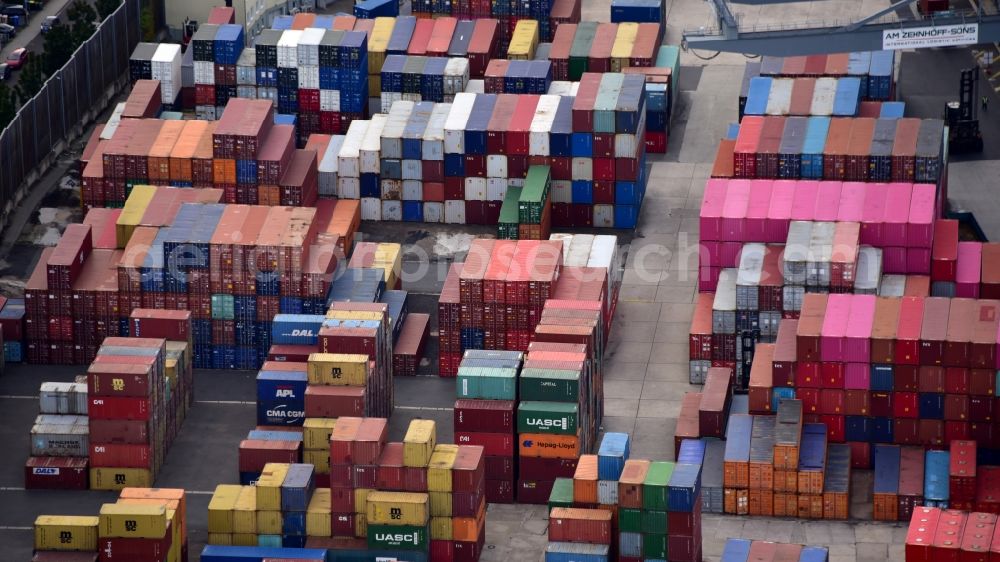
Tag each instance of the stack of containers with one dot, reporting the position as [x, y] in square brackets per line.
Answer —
[203, 49]
[408, 350]
[363, 330]
[356, 445]
[874, 69]
[485, 412]
[59, 439]
[450, 323]
[12, 329]
[518, 77]
[419, 78]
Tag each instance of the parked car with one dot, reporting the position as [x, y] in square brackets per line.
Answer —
[7, 30]
[17, 58]
[49, 22]
[4, 71]
[15, 10]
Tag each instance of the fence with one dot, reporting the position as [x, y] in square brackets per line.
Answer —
[73, 96]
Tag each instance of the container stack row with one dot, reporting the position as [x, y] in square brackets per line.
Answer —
[160, 62]
[603, 47]
[638, 509]
[546, 15]
[421, 78]
[12, 329]
[216, 51]
[60, 439]
[144, 524]
[803, 97]
[961, 269]
[935, 532]
[743, 550]
[908, 477]
[531, 205]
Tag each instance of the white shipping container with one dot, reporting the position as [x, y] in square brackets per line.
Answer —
[779, 100]
[392, 134]
[391, 189]
[562, 191]
[371, 209]
[348, 188]
[454, 126]
[371, 143]
[454, 212]
[477, 86]
[541, 125]
[496, 189]
[456, 76]
[60, 436]
[308, 48]
[413, 190]
[561, 88]
[329, 100]
[583, 169]
[246, 68]
[432, 147]
[288, 48]
[203, 112]
[604, 253]
[434, 211]
[308, 77]
[412, 170]
[349, 164]
[604, 215]
[392, 211]
[63, 398]
[892, 286]
[823, 95]
[578, 253]
[328, 167]
[628, 145]
[246, 92]
[475, 189]
[112, 125]
[415, 98]
[387, 99]
[268, 94]
[166, 67]
[607, 492]
[496, 166]
[204, 72]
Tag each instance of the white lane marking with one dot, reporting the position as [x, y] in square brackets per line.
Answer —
[229, 402]
[11, 489]
[18, 397]
[9, 528]
[429, 408]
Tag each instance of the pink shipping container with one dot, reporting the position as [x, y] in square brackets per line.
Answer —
[712, 203]
[897, 214]
[859, 329]
[734, 211]
[757, 209]
[804, 204]
[920, 231]
[969, 269]
[873, 214]
[918, 260]
[857, 376]
[827, 201]
[852, 202]
[779, 212]
[834, 331]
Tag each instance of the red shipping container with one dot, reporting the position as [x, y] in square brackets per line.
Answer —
[499, 468]
[948, 536]
[56, 473]
[487, 416]
[831, 401]
[988, 490]
[977, 537]
[334, 401]
[469, 470]
[906, 431]
[119, 408]
[500, 491]
[785, 354]
[934, 331]
[962, 474]
[908, 331]
[591, 526]
[128, 549]
[944, 255]
[501, 444]
[121, 455]
[537, 468]
[255, 453]
[921, 534]
[119, 431]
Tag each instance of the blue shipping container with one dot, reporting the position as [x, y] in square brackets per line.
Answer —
[885, 459]
[814, 554]
[936, 475]
[812, 149]
[215, 553]
[692, 451]
[684, 487]
[760, 90]
[296, 329]
[847, 98]
[612, 454]
[736, 550]
[297, 487]
[574, 552]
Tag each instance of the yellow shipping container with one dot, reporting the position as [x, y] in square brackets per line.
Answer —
[361, 499]
[245, 513]
[397, 508]
[316, 434]
[244, 539]
[66, 532]
[418, 444]
[338, 369]
[440, 503]
[221, 507]
[439, 468]
[319, 458]
[319, 519]
[389, 257]
[173, 514]
[105, 478]
[354, 315]
[269, 488]
[441, 529]
[174, 496]
[378, 42]
[523, 41]
[360, 525]
[621, 50]
[133, 521]
[269, 522]
[222, 539]
[132, 212]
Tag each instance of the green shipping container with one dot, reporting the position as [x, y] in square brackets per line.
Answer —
[654, 521]
[607, 100]
[630, 520]
[558, 418]
[579, 51]
[531, 204]
[507, 225]
[669, 56]
[223, 307]
[486, 383]
[654, 487]
[562, 493]
[653, 546]
[402, 537]
[553, 385]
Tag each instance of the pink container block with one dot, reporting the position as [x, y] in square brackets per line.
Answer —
[711, 254]
[734, 211]
[918, 260]
[852, 202]
[968, 269]
[760, 201]
[897, 214]
[804, 204]
[920, 230]
[710, 219]
[828, 201]
[729, 254]
[857, 376]
[894, 259]
[873, 214]
[833, 335]
[779, 212]
[708, 278]
[859, 329]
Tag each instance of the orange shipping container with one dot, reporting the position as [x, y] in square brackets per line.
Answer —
[224, 171]
[159, 154]
[184, 150]
[549, 446]
[585, 480]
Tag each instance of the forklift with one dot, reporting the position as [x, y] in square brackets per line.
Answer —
[961, 116]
